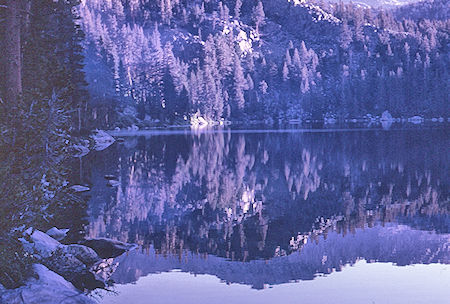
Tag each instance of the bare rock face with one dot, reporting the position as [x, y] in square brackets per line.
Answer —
[107, 248]
[65, 264]
[85, 254]
[48, 287]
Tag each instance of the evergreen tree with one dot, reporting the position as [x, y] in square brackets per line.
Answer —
[237, 9]
[258, 15]
[239, 84]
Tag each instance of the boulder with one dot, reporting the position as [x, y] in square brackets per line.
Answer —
[416, 120]
[107, 248]
[48, 287]
[57, 234]
[83, 253]
[72, 269]
[65, 264]
[386, 116]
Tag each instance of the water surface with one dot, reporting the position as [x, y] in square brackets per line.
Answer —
[260, 216]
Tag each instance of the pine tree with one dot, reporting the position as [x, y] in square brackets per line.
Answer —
[237, 9]
[258, 15]
[304, 86]
[239, 82]
[345, 38]
[285, 72]
[296, 61]
[288, 59]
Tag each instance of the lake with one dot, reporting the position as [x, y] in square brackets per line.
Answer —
[242, 216]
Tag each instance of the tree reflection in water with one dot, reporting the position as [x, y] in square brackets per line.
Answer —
[256, 196]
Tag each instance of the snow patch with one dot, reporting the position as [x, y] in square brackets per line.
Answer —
[41, 244]
[79, 188]
[57, 234]
[416, 120]
[113, 183]
[49, 287]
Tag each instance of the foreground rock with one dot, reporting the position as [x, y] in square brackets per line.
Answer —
[68, 269]
[85, 254]
[72, 262]
[48, 287]
[107, 248]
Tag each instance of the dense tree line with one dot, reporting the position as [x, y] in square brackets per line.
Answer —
[240, 60]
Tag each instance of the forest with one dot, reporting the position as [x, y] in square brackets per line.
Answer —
[121, 62]
[266, 61]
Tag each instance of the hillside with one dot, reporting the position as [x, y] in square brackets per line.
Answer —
[379, 3]
[211, 61]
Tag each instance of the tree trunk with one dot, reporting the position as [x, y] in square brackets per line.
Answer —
[12, 54]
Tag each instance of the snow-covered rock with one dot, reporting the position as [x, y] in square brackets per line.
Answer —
[113, 183]
[330, 120]
[102, 140]
[133, 127]
[40, 243]
[57, 234]
[79, 188]
[416, 120]
[49, 287]
[386, 120]
[295, 121]
[386, 116]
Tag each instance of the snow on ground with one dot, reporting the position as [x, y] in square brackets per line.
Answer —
[49, 287]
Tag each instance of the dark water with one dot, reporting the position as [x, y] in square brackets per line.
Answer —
[245, 211]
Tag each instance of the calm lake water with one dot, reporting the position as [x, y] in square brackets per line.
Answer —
[349, 216]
